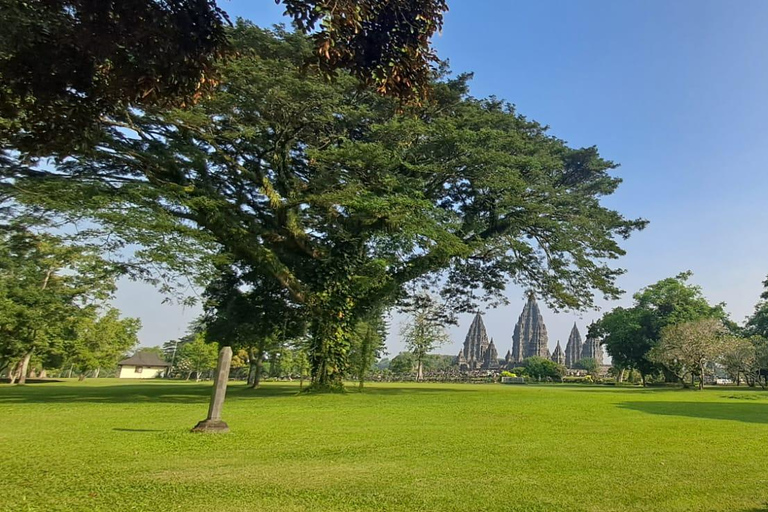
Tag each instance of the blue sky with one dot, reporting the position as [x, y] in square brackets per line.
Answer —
[674, 91]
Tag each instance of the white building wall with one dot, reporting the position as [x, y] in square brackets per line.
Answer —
[145, 372]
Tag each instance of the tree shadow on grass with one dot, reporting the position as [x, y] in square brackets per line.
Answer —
[745, 412]
[178, 393]
[427, 389]
[138, 430]
[129, 393]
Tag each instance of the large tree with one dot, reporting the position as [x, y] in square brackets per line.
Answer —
[66, 64]
[344, 200]
[629, 334]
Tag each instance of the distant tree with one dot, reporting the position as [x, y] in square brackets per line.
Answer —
[101, 340]
[402, 364]
[46, 289]
[757, 323]
[158, 351]
[541, 368]
[383, 363]
[686, 349]
[198, 357]
[368, 344]
[757, 373]
[629, 334]
[589, 364]
[424, 331]
[301, 365]
[438, 362]
[739, 358]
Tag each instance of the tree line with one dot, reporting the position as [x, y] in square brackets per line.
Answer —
[54, 307]
[672, 333]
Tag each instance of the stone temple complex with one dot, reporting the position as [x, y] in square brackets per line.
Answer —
[529, 338]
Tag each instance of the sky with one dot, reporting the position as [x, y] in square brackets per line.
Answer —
[673, 91]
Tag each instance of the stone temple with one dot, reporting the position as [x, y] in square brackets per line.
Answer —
[592, 349]
[528, 339]
[478, 353]
[573, 348]
[530, 335]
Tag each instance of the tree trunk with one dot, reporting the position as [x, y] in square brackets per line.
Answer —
[189, 374]
[24, 368]
[701, 377]
[81, 377]
[419, 371]
[96, 373]
[257, 367]
[642, 377]
[71, 367]
[259, 370]
[328, 350]
[620, 376]
[14, 373]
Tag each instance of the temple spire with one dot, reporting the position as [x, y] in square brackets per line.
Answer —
[558, 355]
[530, 334]
[573, 348]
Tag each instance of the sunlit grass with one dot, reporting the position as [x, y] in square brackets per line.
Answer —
[121, 446]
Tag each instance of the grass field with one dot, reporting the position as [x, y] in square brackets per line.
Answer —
[116, 446]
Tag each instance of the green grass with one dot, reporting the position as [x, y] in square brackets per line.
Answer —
[117, 446]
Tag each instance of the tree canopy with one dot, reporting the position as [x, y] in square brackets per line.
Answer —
[629, 334]
[66, 64]
[345, 201]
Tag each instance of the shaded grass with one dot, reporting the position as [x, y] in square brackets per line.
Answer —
[111, 445]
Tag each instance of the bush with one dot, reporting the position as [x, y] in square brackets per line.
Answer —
[505, 373]
[587, 379]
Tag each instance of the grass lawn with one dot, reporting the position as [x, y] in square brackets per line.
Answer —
[120, 446]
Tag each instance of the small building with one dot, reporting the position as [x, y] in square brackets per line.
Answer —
[142, 365]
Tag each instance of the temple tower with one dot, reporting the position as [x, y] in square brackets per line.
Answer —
[558, 355]
[592, 349]
[573, 348]
[530, 335]
[491, 358]
[475, 344]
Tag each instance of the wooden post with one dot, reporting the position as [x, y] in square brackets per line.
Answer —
[213, 423]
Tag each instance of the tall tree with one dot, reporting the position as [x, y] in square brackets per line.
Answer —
[629, 334]
[424, 331]
[46, 289]
[198, 357]
[343, 201]
[368, 345]
[686, 349]
[101, 339]
[757, 323]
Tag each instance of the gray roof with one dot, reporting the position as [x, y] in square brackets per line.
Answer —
[143, 359]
